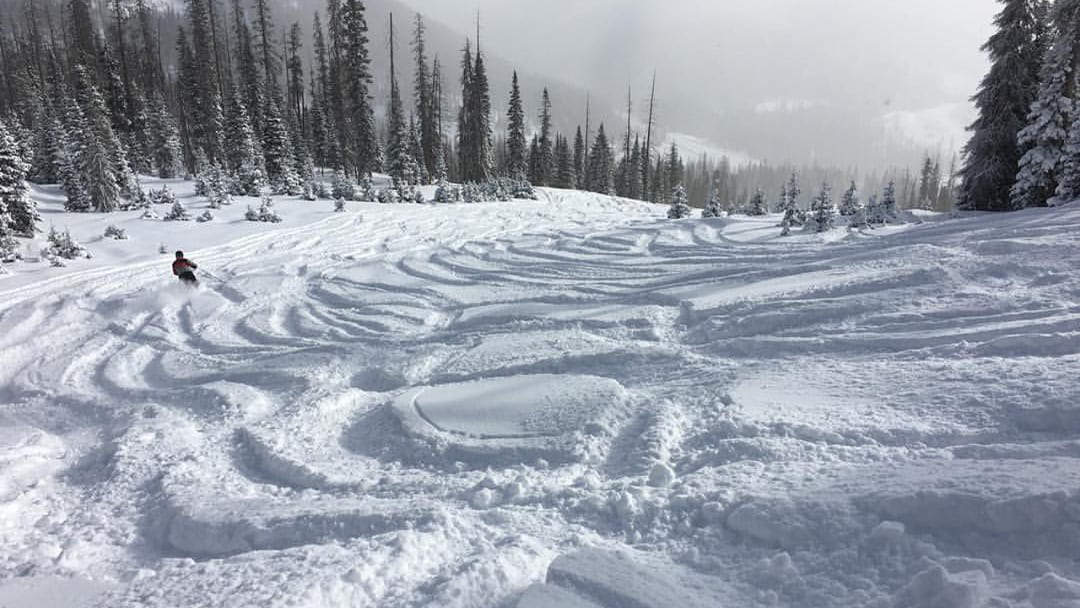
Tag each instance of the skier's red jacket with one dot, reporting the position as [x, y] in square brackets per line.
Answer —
[182, 265]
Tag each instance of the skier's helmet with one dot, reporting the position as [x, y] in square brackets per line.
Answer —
[179, 254]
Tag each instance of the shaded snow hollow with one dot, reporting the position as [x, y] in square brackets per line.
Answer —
[568, 402]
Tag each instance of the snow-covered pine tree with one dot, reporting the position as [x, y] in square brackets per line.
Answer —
[885, 210]
[1047, 131]
[8, 247]
[822, 216]
[63, 246]
[249, 81]
[443, 192]
[164, 196]
[517, 164]
[791, 198]
[601, 173]
[850, 204]
[874, 215]
[178, 213]
[95, 168]
[116, 233]
[166, 153]
[1067, 16]
[680, 204]
[19, 211]
[782, 202]
[48, 144]
[242, 150]
[758, 205]
[417, 153]
[1004, 100]
[713, 208]
[400, 164]
[277, 150]
[266, 212]
[206, 113]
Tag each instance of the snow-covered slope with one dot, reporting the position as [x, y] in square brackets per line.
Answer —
[567, 402]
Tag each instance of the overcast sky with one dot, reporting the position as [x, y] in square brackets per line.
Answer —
[903, 68]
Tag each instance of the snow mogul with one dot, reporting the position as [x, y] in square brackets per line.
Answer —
[185, 269]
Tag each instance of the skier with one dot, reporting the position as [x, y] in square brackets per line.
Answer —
[185, 269]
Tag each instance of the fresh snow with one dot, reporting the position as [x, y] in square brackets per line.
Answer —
[570, 402]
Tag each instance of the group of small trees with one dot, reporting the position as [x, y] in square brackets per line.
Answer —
[820, 216]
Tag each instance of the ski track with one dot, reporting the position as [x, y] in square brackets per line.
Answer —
[237, 446]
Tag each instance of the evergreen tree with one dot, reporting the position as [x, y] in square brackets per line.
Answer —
[758, 205]
[205, 99]
[18, 213]
[361, 148]
[426, 104]
[73, 138]
[680, 206]
[249, 78]
[790, 196]
[102, 166]
[534, 160]
[466, 145]
[295, 68]
[47, 144]
[165, 151]
[517, 165]
[243, 155]
[822, 211]
[481, 126]
[400, 164]
[992, 157]
[1053, 130]
[265, 46]
[323, 139]
[1047, 131]
[546, 162]
[713, 208]
[277, 150]
[849, 204]
[581, 161]
[564, 161]
[782, 202]
[674, 166]
[883, 210]
[601, 173]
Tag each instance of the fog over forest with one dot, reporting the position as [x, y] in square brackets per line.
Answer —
[841, 82]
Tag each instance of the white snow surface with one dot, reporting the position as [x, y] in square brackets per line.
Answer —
[569, 402]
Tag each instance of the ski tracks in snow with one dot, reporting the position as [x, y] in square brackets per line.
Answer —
[780, 395]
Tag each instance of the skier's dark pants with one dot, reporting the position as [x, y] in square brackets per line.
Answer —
[188, 277]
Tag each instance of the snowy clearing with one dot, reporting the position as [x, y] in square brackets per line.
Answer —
[566, 402]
